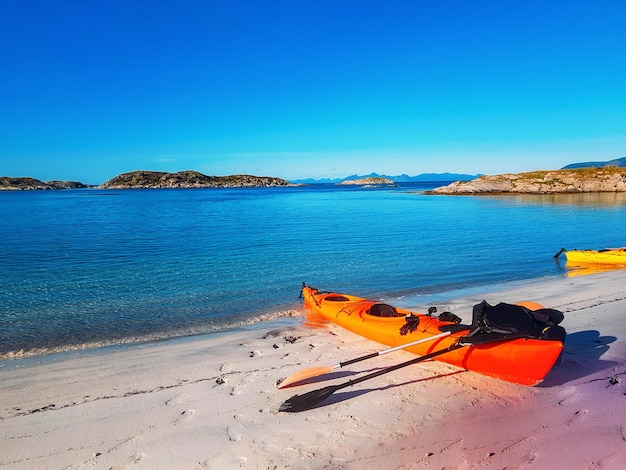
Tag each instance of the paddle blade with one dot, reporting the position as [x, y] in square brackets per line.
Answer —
[307, 400]
[304, 374]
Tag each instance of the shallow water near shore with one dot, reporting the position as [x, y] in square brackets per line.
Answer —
[83, 268]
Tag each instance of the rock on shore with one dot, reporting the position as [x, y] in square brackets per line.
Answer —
[188, 179]
[583, 180]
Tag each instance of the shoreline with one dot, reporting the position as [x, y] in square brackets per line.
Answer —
[173, 335]
[426, 297]
[212, 402]
[77, 352]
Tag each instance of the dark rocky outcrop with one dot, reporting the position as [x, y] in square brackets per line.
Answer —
[188, 179]
[583, 180]
[24, 184]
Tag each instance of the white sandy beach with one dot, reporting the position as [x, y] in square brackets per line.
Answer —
[212, 402]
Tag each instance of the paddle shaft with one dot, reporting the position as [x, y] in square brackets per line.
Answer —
[389, 350]
[386, 370]
[315, 371]
[310, 399]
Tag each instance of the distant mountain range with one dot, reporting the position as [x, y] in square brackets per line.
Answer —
[619, 162]
[444, 177]
[422, 178]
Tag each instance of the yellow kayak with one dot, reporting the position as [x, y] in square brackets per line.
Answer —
[611, 256]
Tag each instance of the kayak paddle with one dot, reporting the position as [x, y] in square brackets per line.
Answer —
[308, 400]
[316, 371]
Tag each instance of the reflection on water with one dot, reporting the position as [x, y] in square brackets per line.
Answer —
[571, 199]
[582, 269]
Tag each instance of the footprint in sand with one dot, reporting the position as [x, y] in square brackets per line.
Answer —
[530, 458]
[233, 434]
[233, 431]
[134, 460]
[184, 417]
[571, 399]
[517, 443]
[578, 417]
[427, 460]
[240, 387]
[177, 399]
[571, 395]
[123, 443]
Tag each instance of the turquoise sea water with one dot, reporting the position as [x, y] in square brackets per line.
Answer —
[88, 267]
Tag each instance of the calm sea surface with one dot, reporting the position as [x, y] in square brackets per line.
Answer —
[91, 267]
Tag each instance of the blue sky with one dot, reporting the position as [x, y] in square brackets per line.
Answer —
[296, 89]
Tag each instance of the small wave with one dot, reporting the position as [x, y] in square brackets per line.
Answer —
[153, 337]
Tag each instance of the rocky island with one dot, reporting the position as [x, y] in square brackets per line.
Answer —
[149, 179]
[17, 184]
[370, 181]
[189, 179]
[580, 180]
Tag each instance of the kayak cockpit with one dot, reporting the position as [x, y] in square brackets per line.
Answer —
[384, 310]
[336, 298]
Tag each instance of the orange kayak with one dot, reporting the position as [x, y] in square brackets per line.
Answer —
[519, 360]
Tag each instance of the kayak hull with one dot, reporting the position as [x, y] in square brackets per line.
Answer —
[524, 361]
[614, 257]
